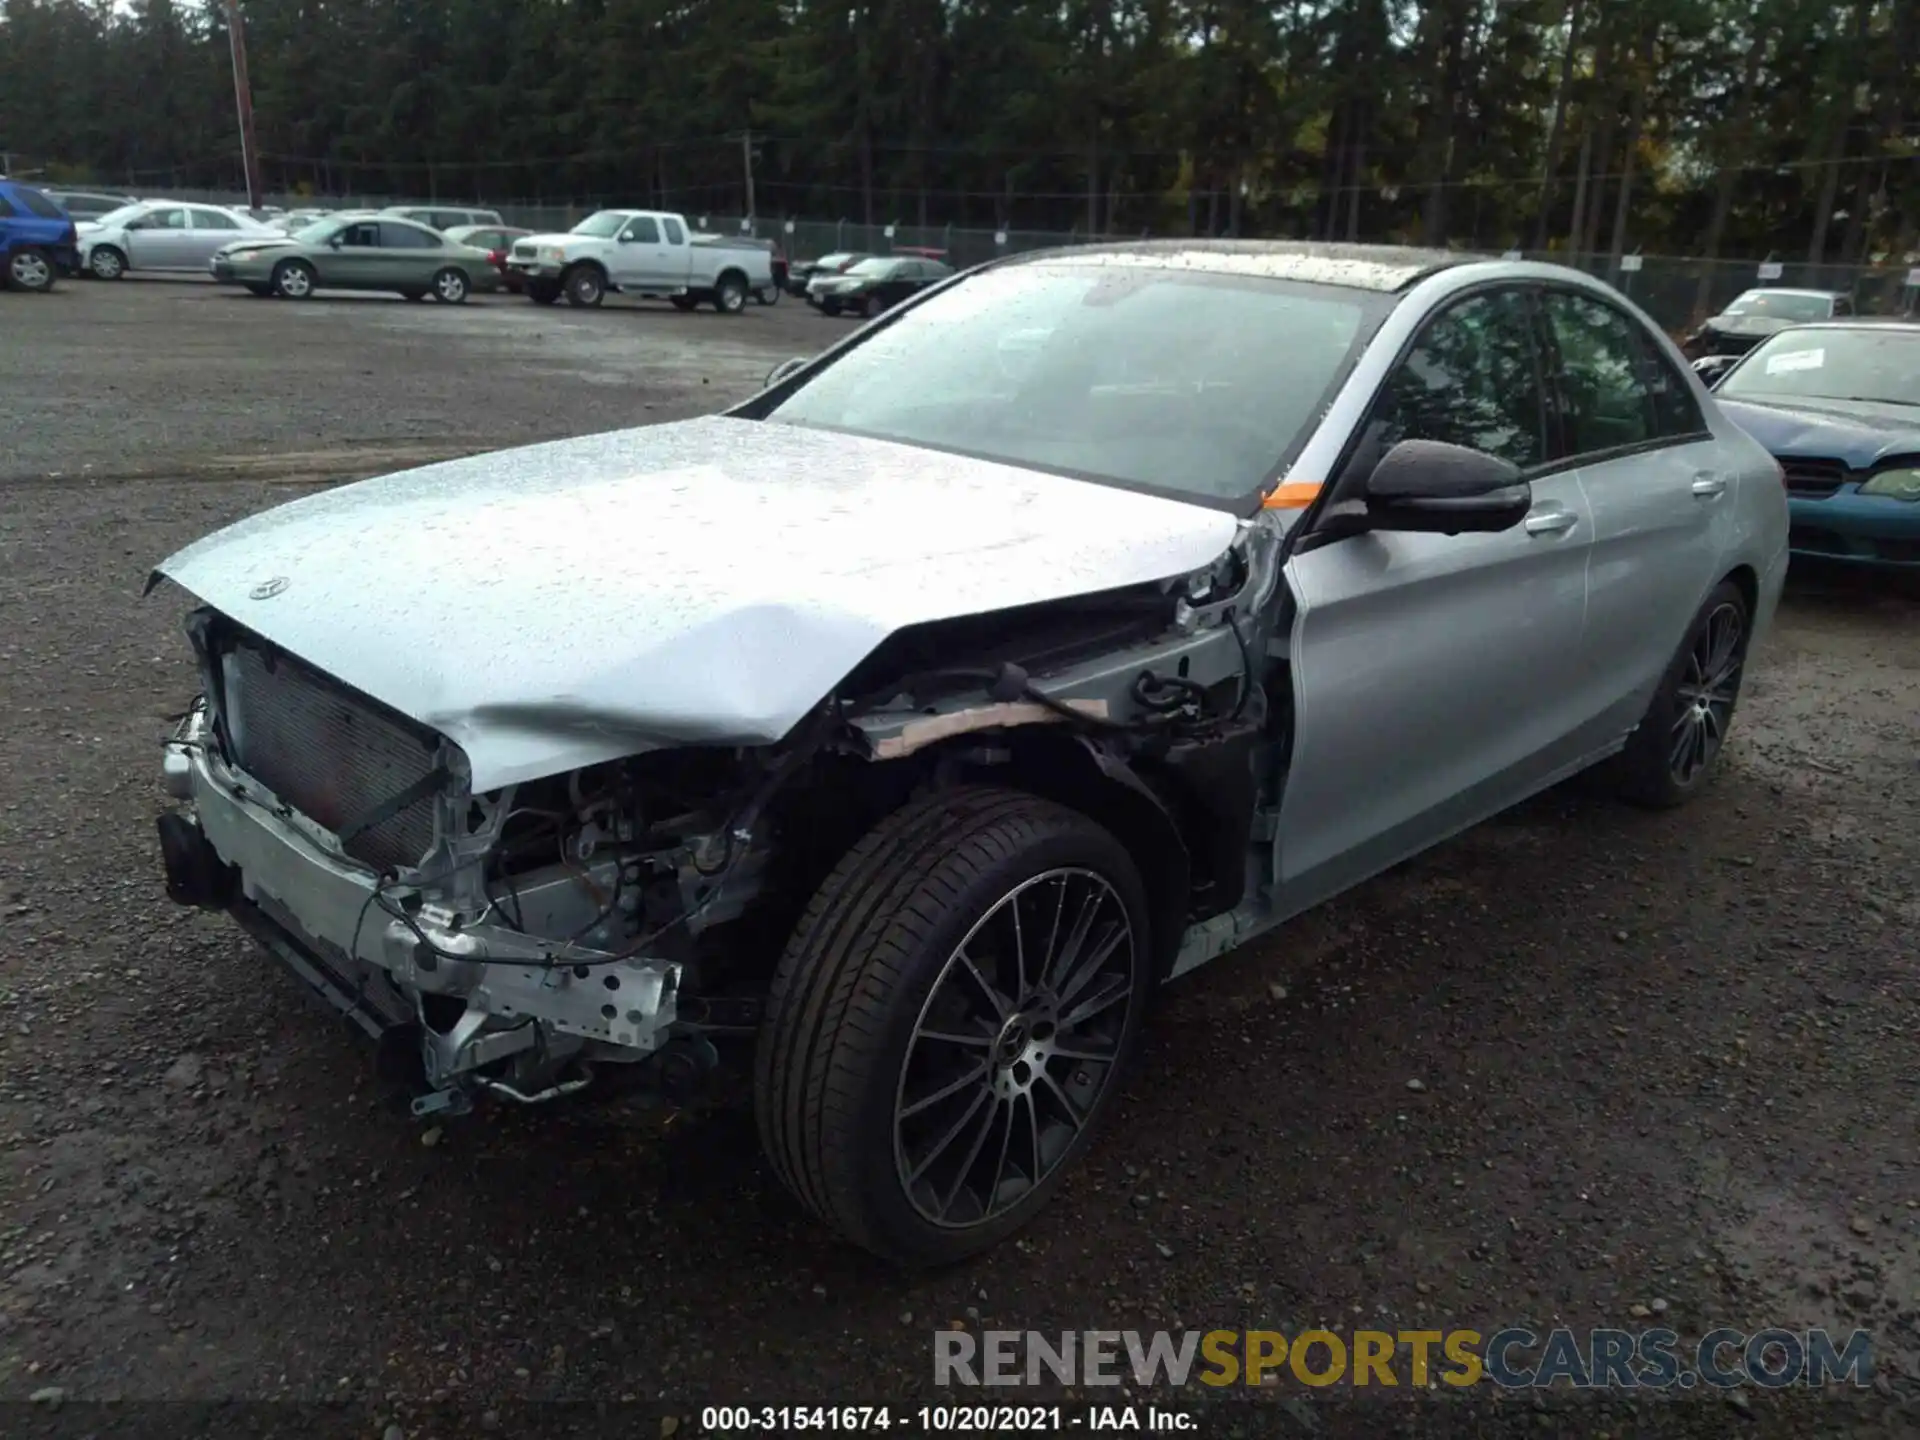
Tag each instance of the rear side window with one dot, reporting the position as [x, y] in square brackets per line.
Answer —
[1608, 404]
[406, 237]
[38, 204]
[675, 235]
[1472, 379]
[213, 220]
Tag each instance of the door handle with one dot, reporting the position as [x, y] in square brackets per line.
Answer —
[1707, 486]
[1551, 522]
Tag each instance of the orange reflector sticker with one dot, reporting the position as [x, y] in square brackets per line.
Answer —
[1292, 495]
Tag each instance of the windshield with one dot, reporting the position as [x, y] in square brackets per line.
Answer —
[873, 267]
[1181, 382]
[602, 226]
[1832, 364]
[1778, 305]
[315, 232]
[120, 216]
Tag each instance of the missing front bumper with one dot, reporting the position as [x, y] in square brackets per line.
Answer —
[492, 1009]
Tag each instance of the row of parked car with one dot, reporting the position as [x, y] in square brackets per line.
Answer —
[448, 252]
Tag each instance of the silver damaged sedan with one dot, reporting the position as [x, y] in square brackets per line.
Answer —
[886, 740]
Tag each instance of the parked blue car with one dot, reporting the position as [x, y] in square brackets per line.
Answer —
[36, 238]
[1838, 405]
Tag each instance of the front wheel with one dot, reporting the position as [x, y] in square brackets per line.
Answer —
[585, 286]
[293, 280]
[30, 268]
[450, 286]
[105, 262]
[1672, 751]
[951, 1020]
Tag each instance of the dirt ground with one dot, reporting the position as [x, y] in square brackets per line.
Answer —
[1581, 1066]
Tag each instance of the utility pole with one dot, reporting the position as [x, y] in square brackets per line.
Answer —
[746, 160]
[243, 102]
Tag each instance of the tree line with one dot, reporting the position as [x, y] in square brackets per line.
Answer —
[1703, 127]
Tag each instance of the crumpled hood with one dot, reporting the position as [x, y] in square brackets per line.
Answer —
[1860, 434]
[705, 581]
[1748, 324]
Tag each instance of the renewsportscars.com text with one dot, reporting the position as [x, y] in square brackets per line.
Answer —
[1514, 1358]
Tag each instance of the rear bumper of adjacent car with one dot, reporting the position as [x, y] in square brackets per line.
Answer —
[1856, 529]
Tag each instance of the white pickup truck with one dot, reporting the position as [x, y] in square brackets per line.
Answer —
[640, 252]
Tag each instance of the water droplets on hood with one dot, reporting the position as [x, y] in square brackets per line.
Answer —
[705, 580]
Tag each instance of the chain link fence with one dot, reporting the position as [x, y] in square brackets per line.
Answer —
[1677, 291]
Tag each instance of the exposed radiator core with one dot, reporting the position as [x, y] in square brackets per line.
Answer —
[327, 751]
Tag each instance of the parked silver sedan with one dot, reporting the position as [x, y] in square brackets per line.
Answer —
[160, 235]
[891, 736]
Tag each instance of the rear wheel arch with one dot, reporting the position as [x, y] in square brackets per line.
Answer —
[1748, 583]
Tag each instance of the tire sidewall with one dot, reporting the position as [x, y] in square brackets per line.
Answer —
[46, 268]
[585, 288]
[94, 257]
[460, 296]
[288, 267]
[891, 1213]
[1647, 753]
[730, 296]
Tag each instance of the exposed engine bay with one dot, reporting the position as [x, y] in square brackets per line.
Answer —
[626, 917]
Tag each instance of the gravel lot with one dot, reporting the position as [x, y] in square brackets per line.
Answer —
[1662, 1061]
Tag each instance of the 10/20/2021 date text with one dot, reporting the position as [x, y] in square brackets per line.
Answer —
[942, 1419]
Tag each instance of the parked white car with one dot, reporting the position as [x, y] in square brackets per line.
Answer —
[161, 235]
[640, 252]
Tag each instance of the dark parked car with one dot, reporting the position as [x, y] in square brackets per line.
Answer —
[1760, 313]
[36, 238]
[1838, 404]
[802, 274]
[88, 204]
[876, 284]
[496, 240]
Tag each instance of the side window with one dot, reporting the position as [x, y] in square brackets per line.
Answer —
[643, 230]
[172, 219]
[6, 207]
[394, 236]
[212, 220]
[38, 204]
[363, 235]
[675, 235]
[1675, 411]
[1472, 379]
[447, 219]
[1608, 402]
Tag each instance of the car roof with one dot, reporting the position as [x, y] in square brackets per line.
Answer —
[1364, 267]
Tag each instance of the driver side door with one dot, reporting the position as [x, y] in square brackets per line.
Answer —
[640, 259]
[161, 240]
[1436, 676]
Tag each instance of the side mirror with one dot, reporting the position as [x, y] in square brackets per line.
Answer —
[1431, 486]
[1712, 369]
[784, 369]
[334, 242]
